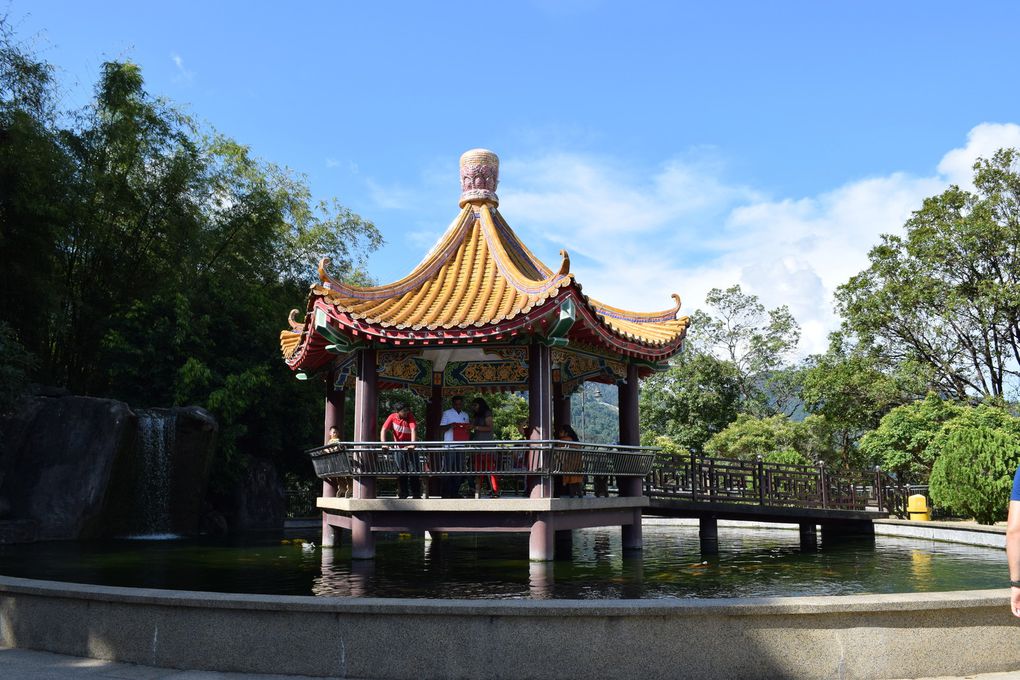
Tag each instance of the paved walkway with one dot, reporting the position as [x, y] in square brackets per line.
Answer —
[24, 664]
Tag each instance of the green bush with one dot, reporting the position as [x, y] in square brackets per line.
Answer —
[786, 457]
[978, 452]
[901, 441]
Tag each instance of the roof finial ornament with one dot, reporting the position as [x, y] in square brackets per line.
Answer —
[479, 175]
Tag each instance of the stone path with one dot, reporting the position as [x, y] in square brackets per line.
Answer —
[24, 664]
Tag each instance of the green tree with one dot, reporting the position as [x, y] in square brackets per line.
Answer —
[15, 364]
[697, 397]
[851, 389]
[756, 341]
[977, 454]
[946, 295]
[152, 260]
[901, 443]
[36, 176]
[749, 436]
[777, 438]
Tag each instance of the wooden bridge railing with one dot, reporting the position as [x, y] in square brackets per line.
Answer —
[723, 480]
[689, 477]
[503, 458]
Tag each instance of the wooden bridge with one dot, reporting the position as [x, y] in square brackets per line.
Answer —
[642, 479]
[841, 502]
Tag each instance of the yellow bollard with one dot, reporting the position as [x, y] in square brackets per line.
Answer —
[917, 507]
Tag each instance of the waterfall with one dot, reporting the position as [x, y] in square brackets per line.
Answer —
[154, 448]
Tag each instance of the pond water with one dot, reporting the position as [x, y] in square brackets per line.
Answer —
[751, 562]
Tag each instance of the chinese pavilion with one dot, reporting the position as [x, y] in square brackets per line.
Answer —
[480, 313]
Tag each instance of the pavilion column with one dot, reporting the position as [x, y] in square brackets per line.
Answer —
[434, 416]
[366, 423]
[540, 411]
[630, 436]
[561, 402]
[335, 401]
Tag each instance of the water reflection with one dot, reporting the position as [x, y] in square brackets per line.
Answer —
[749, 563]
[922, 570]
[541, 579]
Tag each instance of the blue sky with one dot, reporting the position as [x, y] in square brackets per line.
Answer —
[668, 146]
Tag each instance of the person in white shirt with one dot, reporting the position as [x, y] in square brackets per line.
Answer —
[455, 427]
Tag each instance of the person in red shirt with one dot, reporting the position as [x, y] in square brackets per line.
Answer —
[403, 429]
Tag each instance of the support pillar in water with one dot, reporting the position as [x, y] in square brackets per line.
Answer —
[541, 546]
[365, 430]
[708, 535]
[808, 536]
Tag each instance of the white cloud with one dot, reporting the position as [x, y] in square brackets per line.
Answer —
[687, 230]
[982, 141]
[393, 197]
[183, 74]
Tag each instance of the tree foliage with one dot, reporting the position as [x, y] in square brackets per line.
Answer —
[697, 397]
[976, 455]
[755, 341]
[777, 438]
[902, 441]
[851, 389]
[149, 259]
[946, 295]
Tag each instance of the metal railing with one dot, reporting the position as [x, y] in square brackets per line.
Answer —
[503, 458]
[724, 480]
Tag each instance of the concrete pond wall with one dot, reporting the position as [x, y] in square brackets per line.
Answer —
[865, 636]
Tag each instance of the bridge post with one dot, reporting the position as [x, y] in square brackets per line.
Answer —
[695, 477]
[335, 399]
[824, 484]
[708, 535]
[808, 536]
[878, 487]
[365, 430]
[759, 470]
[630, 436]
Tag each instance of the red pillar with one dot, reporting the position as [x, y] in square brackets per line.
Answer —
[434, 416]
[542, 543]
[540, 405]
[366, 424]
[335, 399]
[630, 436]
[561, 402]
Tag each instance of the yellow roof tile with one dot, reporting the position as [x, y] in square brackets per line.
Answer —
[481, 273]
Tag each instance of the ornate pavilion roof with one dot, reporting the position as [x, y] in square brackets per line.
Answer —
[479, 284]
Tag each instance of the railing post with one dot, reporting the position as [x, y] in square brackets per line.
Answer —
[878, 488]
[711, 479]
[695, 474]
[823, 483]
[760, 470]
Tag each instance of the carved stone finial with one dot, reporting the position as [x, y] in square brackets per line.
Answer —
[479, 175]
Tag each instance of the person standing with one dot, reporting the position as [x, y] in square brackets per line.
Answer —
[573, 484]
[1013, 546]
[482, 430]
[404, 430]
[455, 425]
[343, 484]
